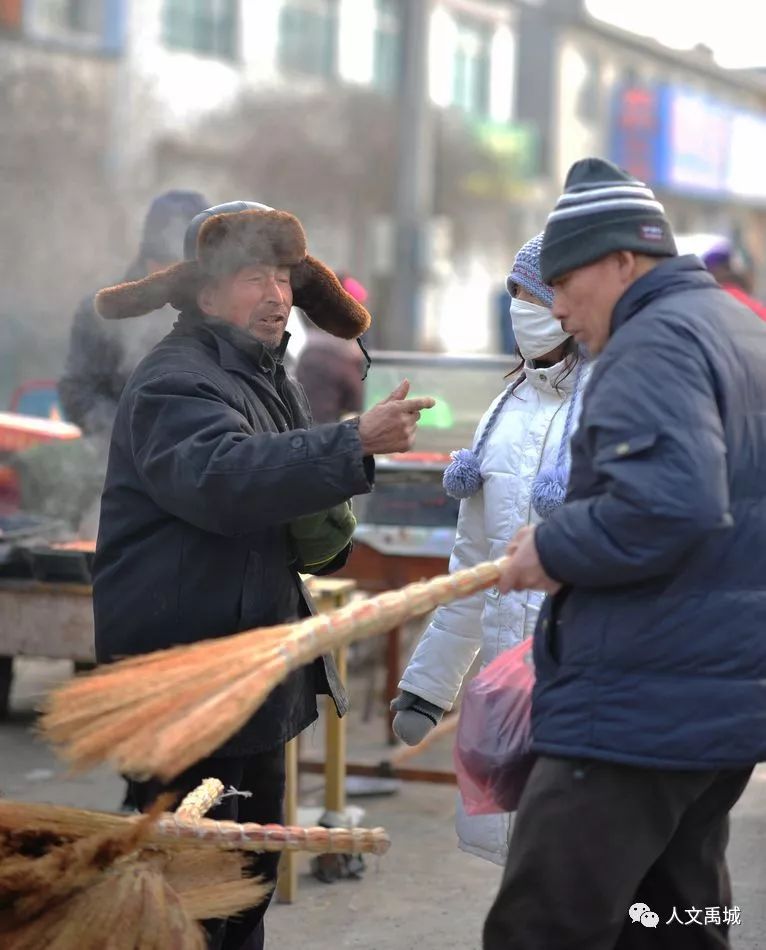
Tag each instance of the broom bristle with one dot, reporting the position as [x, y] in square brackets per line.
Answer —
[91, 695]
[186, 738]
[203, 721]
[223, 900]
[138, 721]
[214, 885]
[30, 819]
[29, 884]
[132, 909]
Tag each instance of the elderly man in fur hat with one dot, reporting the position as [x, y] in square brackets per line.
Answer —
[219, 491]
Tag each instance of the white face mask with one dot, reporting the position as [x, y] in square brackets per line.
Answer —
[535, 329]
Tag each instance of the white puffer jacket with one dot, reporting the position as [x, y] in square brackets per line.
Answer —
[524, 440]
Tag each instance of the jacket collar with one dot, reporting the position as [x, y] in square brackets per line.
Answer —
[237, 350]
[553, 380]
[672, 276]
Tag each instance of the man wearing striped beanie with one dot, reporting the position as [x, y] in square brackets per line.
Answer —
[650, 655]
[607, 230]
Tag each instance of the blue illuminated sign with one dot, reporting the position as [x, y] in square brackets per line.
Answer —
[687, 142]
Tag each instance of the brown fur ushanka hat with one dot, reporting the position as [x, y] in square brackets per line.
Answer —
[228, 242]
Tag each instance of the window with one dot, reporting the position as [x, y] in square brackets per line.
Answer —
[387, 54]
[589, 98]
[62, 18]
[93, 25]
[208, 27]
[308, 31]
[472, 66]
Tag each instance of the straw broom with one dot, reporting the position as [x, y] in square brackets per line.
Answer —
[159, 714]
[75, 878]
[106, 888]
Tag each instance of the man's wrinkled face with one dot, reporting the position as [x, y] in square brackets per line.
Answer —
[584, 299]
[257, 298]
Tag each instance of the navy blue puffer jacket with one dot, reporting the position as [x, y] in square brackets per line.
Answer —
[654, 652]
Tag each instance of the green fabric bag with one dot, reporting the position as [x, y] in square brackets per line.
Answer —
[318, 539]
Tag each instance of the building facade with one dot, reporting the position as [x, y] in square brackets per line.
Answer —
[690, 129]
[297, 103]
[188, 93]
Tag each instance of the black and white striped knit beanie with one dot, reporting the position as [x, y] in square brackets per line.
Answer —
[603, 209]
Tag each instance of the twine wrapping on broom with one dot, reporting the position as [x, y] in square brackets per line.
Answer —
[158, 714]
[200, 800]
[253, 837]
[170, 833]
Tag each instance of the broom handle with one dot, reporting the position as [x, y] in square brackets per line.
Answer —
[200, 800]
[76, 824]
[369, 618]
[253, 837]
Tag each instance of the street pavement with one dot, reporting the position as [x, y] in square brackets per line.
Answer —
[424, 895]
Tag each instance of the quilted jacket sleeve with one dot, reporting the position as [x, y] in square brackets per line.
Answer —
[652, 436]
[453, 638]
[200, 459]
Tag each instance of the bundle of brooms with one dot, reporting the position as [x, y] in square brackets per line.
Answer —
[156, 715]
[91, 885]
[90, 880]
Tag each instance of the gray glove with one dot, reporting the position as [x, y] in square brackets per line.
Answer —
[415, 717]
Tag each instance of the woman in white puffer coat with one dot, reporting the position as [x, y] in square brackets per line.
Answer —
[515, 474]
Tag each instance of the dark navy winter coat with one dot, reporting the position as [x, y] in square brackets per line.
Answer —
[211, 457]
[654, 653]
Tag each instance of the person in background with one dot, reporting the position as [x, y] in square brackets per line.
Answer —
[722, 259]
[330, 369]
[103, 354]
[64, 480]
[505, 483]
[739, 285]
[650, 655]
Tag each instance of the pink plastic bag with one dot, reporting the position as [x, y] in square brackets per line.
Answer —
[492, 754]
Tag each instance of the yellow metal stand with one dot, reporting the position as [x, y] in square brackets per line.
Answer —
[328, 594]
[335, 748]
[287, 879]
